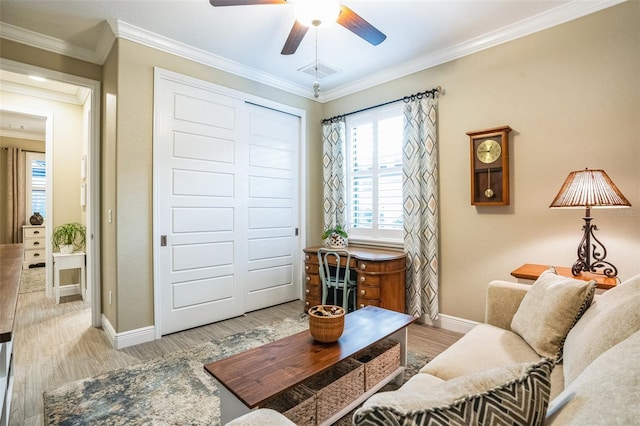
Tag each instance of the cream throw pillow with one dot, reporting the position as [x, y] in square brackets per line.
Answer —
[549, 310]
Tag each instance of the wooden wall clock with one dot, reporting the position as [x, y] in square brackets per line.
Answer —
[490, 166]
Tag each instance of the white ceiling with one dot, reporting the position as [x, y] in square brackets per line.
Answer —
[247, 40]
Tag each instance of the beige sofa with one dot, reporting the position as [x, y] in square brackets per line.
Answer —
[596, 380]
[547, 354]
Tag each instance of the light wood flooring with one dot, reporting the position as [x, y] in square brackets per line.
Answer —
[55, 344]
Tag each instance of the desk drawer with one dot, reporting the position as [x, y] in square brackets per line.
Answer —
[39, 255]
[367, 302]
[34, 243]
[368, 279]
[33, 232]
[313, 291]
[366, 292]
[386, 267]
[311, 268]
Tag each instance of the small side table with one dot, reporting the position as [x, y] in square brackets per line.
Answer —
[531, 271]
[62, 262]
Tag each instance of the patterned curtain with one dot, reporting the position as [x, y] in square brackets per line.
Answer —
[16, 199]
[334, 173]
[420, 205]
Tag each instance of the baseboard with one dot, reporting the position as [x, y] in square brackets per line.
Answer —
[127, 338]
[451, 323]
[69, 290]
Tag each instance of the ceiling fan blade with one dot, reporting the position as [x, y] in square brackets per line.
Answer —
[359, 26]
[217, 3]
[295, 38]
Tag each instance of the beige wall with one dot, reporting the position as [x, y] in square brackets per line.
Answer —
[67, 151]
[133, 157]
[108, 242]
[41, 58]
[571, 94]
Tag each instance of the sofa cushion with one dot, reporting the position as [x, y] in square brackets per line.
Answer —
[549, 310]
[606, 393]
[421, 381]
[517, 395]
[612, 317]
[485, 347]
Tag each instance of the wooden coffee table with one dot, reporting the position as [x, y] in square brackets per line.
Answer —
[251, 378]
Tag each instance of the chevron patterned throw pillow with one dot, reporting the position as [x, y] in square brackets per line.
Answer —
[521, 400]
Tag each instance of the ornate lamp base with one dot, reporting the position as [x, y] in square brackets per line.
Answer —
[591, 252]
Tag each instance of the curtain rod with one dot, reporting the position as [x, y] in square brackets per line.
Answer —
[24, 150]
[406, 99]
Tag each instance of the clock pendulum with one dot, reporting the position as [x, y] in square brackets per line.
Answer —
[488, 192]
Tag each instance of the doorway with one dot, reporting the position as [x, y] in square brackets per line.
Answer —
[89, 167]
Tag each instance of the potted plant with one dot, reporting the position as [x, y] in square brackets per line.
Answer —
[69, 236]
[336, 237]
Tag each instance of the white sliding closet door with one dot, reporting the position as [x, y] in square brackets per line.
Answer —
[272, 207]
[225, 192]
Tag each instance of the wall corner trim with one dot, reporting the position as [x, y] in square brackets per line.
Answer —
[127, 338]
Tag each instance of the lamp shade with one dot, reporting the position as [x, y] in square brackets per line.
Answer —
[589, 188]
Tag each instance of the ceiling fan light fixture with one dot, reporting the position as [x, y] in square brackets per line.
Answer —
[316, 13]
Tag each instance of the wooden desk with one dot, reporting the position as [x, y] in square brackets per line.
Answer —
[530, 271]
[380, 273]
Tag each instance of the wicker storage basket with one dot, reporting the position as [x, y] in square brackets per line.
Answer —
[297, 404]
[380, 360]
[324, 328]
[337, 387]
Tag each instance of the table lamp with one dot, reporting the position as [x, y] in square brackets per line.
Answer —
[590, 188]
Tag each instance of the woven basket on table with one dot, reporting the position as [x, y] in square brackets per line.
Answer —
[298, 404]
[326, 322]
[336, 387]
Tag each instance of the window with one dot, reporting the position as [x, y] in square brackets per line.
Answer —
[36, 185]
[374, 175]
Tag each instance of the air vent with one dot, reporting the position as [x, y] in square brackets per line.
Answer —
[323, 70]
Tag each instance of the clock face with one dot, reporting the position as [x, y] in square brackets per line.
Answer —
[488, 151]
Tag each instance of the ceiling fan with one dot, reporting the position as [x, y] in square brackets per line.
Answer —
[345, 17]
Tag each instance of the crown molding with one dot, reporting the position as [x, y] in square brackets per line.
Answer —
[105, 44]
[130, 32]
[559, 15]
[45, 42]
[78, 99]
[119, 29]
[6, 133]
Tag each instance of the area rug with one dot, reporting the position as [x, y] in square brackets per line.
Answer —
[32, 280]
[170, 390]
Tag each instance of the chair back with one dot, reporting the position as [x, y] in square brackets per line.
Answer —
[334, 267]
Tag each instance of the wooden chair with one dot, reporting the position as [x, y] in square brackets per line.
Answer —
[335, 275]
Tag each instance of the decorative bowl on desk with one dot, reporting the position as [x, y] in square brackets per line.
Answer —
[326, 322]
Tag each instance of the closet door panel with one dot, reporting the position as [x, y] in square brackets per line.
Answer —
[226, 204]
[199, 146]
[272, 207]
